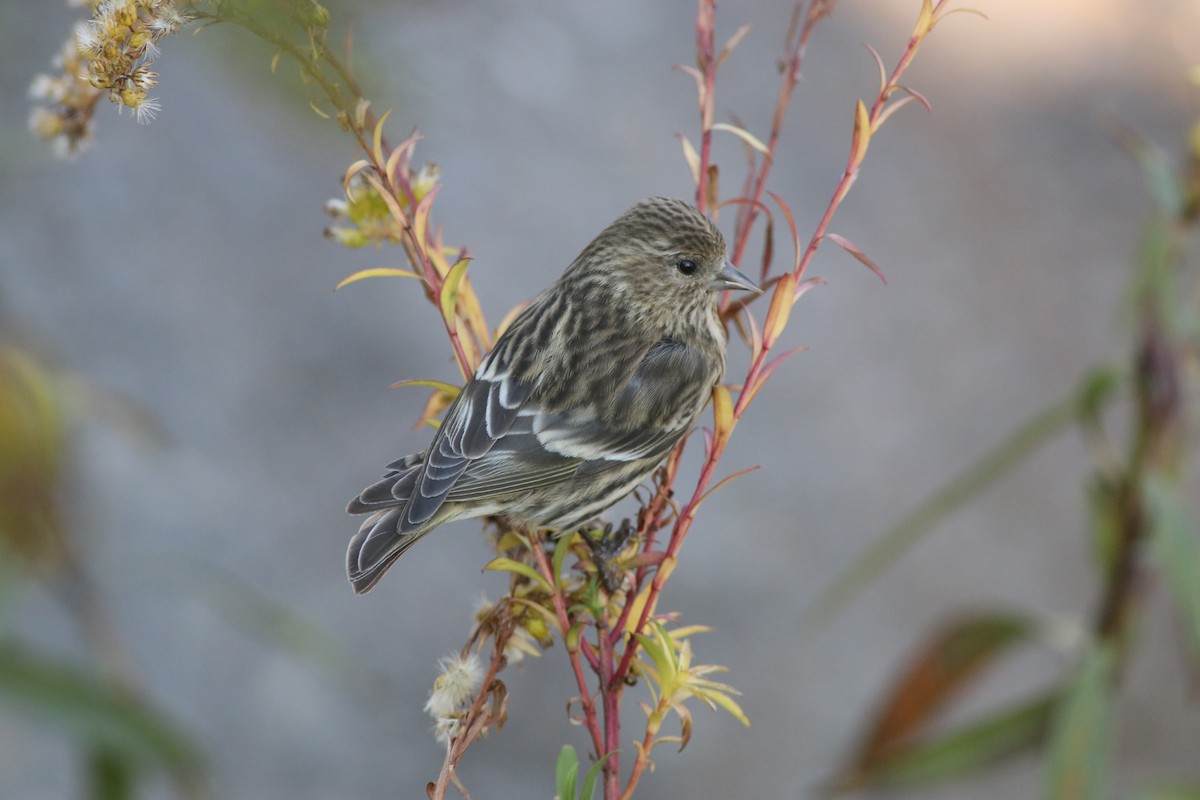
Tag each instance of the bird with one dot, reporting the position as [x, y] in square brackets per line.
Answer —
[581, 398]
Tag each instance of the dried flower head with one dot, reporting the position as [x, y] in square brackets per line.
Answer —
[110, 54]
[453, 692]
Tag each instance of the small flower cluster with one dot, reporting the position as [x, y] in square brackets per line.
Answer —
[112, 53]
[366, 216]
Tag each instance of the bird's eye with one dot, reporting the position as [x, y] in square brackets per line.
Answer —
[686, 266]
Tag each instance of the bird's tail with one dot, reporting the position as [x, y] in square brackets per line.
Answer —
[376, 547]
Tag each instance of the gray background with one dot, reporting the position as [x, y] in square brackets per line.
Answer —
[181, 264]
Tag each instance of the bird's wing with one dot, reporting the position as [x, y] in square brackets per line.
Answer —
[638, 420]
[480, 416]
[497, 440]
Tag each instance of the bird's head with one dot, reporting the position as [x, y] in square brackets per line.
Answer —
[661, 257]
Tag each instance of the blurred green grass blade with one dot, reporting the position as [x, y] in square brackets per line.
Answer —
[994, 464]
[81, 706]
[1171, 793]
[111, 776]
[966, 750]
[1082, 735]
[1175, 546]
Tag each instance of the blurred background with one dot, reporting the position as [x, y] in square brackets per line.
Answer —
[179, 271]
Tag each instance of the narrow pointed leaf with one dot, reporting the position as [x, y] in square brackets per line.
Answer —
[878, 63]
[561, 548]
[745, 135]
[1171, 793]
[351, 171]
[973, 11]
[861, 138]
[1175, 547]
[925, 20]
[920, 98]
[691, 157]
[849, 247]
[722, 413]
[421, 216]
[565, 770]
[732, 42]
[588, 790]
[449, 296]
[503, 564]
[1082, 735]
[81, 706]
[945, 664]
[726, 480]
[313, 105]
[377, 272]
[697, 76]
[377, 137]
[782, 301]
[769, 370]
[446, 388]
[960, 752]
[791, 221]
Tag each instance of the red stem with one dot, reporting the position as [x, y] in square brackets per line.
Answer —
[707, 62]
[684, 520]
[564, 622]
[794, 57]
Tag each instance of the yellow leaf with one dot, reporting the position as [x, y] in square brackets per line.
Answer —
[745, 135]
[722, 414]
[635, 609]
[781, 307]
[313, 105]
[503, 564]
[377, 139]
[925, 20]
[691, 157]
[446, 388]
[421, 216]
[351, 171]
[377, 272]
[449, 296]
[862, 136]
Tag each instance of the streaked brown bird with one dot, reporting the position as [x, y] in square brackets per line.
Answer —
[583, 396]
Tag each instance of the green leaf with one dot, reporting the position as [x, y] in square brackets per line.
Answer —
[79, 705]
[1172, 793]
[966, 750]
[1175, 546]
[1082, 733]
[949, 661]
[111, 776]
[562, 546]
[588, 790]
[503, 564]
[565, 771]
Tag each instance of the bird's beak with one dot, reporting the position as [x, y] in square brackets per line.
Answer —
[730, 277]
